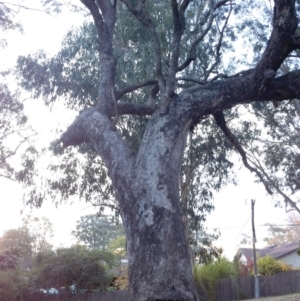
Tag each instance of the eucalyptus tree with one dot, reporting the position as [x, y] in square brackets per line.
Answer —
[14, 129]
[72, 75]
[97, 231]
[183, 90]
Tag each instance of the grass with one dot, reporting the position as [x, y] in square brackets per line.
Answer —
[292, 297]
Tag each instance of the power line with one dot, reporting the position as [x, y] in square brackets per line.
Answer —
[243, 227]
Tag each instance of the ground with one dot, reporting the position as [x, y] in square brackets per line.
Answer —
[292, 297]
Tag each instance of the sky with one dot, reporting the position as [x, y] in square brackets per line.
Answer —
[232, 215]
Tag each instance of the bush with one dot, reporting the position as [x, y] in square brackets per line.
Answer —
[267, 265]
[13, 285]
[75, 265]
[208, 276]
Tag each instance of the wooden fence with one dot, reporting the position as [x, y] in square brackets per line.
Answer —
[228, 289]
[95, 296]
[240, 288]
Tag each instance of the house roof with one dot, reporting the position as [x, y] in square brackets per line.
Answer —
[284, 250]
[274, 251]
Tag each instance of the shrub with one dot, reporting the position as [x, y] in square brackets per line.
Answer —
[208, 276]
[13, 285]
[75, 265]
[267, 265]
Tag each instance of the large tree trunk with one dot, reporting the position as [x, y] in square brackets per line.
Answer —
[159, 261]
[147, 188]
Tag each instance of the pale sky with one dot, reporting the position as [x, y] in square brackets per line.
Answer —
[233, 206]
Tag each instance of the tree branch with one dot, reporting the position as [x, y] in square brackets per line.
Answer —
[208, 19]
[178, 28]
[220, 121]
[94, 10]
[218, 48]
[280, 44]
[7, 177]
[120, 94]
[273, 183]
[199, 101]
[92, 127]
[105, 22]
[126, 108]
[109, 12]
[142, 16]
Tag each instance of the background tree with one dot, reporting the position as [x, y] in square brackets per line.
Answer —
[15, 255]
[86, 269]
[117, 246]
[18, 242]
[8, 260]
[27, 240]
[279, 235]
[41, 231]
[181, 45]
[97, 231]
[14, 285]
[14, 129]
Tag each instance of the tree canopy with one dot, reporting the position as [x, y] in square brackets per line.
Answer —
[78, 266]
[97, 231]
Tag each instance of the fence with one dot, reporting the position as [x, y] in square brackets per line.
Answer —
[228, 289]
[95, 296]
[240, 288]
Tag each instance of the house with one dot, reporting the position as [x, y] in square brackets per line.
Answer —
[286, 253]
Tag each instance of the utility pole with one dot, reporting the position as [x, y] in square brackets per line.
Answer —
[256, 278]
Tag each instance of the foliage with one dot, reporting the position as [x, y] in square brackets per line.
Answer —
[204, 251]
[207, 276]
[244, 269]
[15, 133]
[40, 230]
[13, 285]
[17, 242]
[97, 231]
[267, 265]
[121, 282]
[86, 269]
[17, 246]
[7, 21]
[117, 246]
[8, 260]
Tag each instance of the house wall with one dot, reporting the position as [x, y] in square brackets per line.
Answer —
[292, 259]
[243, 259]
